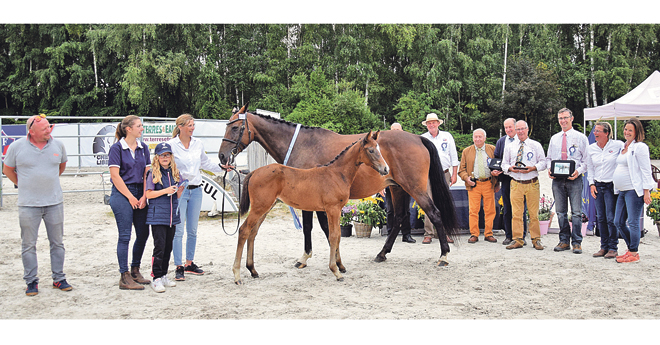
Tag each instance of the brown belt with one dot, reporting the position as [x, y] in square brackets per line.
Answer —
[484, 179]
[527, 181]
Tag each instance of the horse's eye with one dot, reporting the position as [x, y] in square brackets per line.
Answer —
[371, 150]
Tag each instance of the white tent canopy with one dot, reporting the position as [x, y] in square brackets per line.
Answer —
[643, 102]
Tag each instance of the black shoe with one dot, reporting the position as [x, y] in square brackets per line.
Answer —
[179, 274]
[407, 238]
[192, 268]
[507, 241]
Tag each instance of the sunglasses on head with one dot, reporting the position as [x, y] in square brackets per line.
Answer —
[38, 119]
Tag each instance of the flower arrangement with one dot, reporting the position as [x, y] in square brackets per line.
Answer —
[348, 214]
[653, 210]
[420, 212]
[545, 207]
[369, 212]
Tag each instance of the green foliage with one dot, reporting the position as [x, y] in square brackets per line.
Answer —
[369, 212]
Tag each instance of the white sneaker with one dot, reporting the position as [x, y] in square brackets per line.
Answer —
[167, 282]
[157, 285]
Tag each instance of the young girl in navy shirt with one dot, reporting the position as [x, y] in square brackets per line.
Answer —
[163, 190]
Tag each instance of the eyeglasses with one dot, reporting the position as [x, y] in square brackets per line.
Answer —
[521, 129]
[597, 131]
[564, 118]
[165, 155]
[38, 119]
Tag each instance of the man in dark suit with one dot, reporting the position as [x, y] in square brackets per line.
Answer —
[509, 138]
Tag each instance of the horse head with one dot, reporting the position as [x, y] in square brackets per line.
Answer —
[237, 137]
[373, 157]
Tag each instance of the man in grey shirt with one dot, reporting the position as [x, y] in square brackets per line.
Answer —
[35, 164]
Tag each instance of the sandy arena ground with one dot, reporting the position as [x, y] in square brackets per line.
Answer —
[483, 282]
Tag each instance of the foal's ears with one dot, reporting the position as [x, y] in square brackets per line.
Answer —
[374, 136]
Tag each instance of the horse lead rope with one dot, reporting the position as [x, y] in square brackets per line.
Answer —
[296, 221]
[234, 153]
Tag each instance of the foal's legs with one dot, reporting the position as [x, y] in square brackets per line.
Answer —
[334, 238]
[249, 260]
[243, 234]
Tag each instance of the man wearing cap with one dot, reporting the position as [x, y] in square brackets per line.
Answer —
[523, 162]
[35, 164]
[568, 144]
[444, 142]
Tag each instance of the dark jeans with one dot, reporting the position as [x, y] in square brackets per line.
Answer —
[564, 191]
[163, 236]
[605, 210]
[126, 218]
[506, 203]
[628, 207]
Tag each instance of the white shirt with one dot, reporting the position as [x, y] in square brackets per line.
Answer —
[508, 141]
[446, 146]
[576, 146]
[190, 160]
[622, 179]
[532, 155]
[639, 165]
[601, 163]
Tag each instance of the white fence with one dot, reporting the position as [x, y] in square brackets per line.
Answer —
[87, 144]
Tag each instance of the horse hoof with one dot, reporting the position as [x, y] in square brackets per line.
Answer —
[255, 276]
[300, 265]
[443, 263]
[340, 279]
[342, 270]
[380, 258]
[238, 282]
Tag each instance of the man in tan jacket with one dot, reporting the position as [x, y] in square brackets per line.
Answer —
[480, 184]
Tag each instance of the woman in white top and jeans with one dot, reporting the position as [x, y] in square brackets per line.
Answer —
[601, 163]
[633, 179]
[190, 157]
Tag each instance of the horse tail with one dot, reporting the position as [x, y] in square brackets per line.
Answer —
[440, 192]
[245, 195]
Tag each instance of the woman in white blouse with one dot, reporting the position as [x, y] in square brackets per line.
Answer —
[601, 163]
[190, 157]
[633, 179]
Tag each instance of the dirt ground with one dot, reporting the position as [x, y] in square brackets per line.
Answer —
[483, 283]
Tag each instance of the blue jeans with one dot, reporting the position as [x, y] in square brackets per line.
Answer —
[190, 204]
[127, 218]
[605, 210]
[628, 208]
[29, 219]
[565, 190]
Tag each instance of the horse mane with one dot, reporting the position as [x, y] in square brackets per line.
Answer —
[340, 154]
[276, 120]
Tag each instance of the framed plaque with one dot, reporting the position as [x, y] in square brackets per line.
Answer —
[562, 168]
[495, 164]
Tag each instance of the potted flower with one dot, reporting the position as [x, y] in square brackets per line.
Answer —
[653, 210]
[545, 213]
[348, 214]
[369, 214]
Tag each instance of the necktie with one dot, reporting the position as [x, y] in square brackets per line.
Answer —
[480, 164]
[520, 152]
[511, 140]
[564, 156]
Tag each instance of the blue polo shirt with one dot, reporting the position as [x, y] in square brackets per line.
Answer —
[131, 164]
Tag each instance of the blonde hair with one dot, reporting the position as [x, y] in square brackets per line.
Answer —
[155, 169]
[128, 121]
[182, 120]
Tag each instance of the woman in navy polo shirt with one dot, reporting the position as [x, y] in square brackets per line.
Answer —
[129, 161]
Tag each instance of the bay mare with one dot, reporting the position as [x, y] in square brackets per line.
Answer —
[414, 163]
[331, 182]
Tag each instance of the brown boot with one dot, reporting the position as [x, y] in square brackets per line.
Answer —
[536, 242]
[126, 282]
[135, 273]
